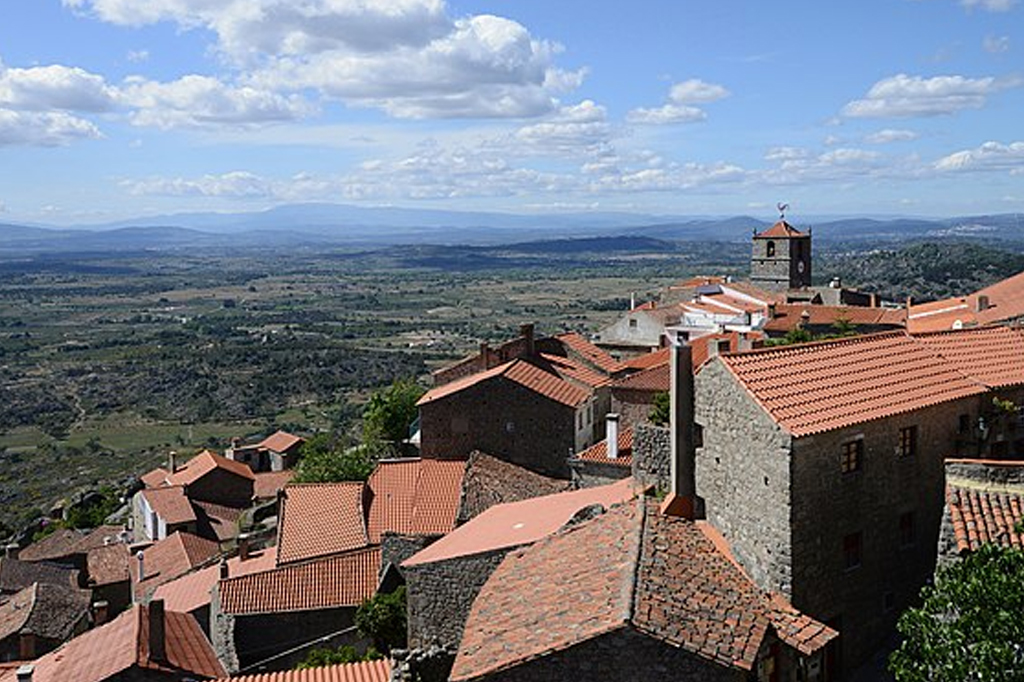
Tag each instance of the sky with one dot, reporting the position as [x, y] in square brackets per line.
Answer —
[111, 109]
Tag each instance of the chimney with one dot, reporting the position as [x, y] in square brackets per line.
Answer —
[771, 311]
[874, 300]
[142, 566]
[172, 462]
[24, 673]
[223, 567]
[526, 332]
[485, 355]
[632, 301]
[243, 547]
[910, 302]
[982, 303]
[612, 435]
[26, 647]
[12, 550]
[100, 613]
[157, 630]
[682, 500]
[836, 283]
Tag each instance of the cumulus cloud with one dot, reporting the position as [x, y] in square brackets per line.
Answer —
[991, 156]
[996, 44]
[202, 100]
[580, 128]
[236, 184]
[904, 96]
[45, 129]
[795, 165]
[407, 57]
[680, 107]
[889, 135]
[55, 87]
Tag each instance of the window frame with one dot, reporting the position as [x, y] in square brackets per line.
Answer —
[853, 551]
[851, 456]
[908, 441]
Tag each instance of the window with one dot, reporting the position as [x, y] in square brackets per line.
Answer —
[908, 533]
[770, 249]
[632, 323]
[964, 426]
[908, 441]
[698, 435]
[851, 456]
[852, 551]
[723, 346]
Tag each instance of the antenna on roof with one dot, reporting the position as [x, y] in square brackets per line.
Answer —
[782, 210]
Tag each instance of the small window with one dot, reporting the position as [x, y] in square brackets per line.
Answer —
[852, 549]
[632, 323]
[908, 441]
[770, 249]
[698, 436]
[851, 456]
[723, 346]
[908, 531]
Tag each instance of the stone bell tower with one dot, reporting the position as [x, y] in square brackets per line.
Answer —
[782, 257]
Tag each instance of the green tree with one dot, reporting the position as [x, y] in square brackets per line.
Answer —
[389, 414]
[325, 458]
[318, 658]
[661, 412]
[382, 619]
[969, 626]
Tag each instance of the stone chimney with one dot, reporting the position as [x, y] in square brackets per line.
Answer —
[526, 333]
[12, 550]
[172, 462]
[485, 355]
[982, 303]
[100, 613]
[682, 500]
[24, 673]
[244, 546]
[26, 646]
[612, 435]
[142, 566]
[223, 568]
[157, 631]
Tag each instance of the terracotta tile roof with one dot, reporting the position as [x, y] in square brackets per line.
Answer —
[269, 482]
[365, 671]
[414, 496]
[174, 556]
[123, 643]
[317, 519]
[155, 478]
[1005, 301]
[598, 452]
[59, 544]
[205, 462]
[790, 315]
[732, 303]
[282, 441]
[934, 316]
[108, 565]
[652, 359]
[985, 517]
[782, 229]
[520, 523]
[992, 355]
[815, 387]
[489, 481]
[331, 582]
[170, 503]
[630, 567]
[16, 575]
[653, 379]
[520, 371]
[49, 611]
[192, 591]
[699, 281]
[748, 289]
[101, 537]
[575, 372]
[216, 520]
[596, 356]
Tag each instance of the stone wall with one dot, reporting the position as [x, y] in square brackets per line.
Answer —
[222, 487]
[441, 593]
[652, 456]
[588, 474]
[396, 548]
[632, 406]
[260, 636]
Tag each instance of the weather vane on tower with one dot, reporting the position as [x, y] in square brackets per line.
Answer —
[782, 210]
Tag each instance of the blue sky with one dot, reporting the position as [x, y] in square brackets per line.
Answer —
[116, 108]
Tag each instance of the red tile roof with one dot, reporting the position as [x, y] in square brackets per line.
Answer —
[519, 523]
[269, 482]
[100, 654]
[317, 519]
[599, 451]
[652, 359]
[985, 502]
[49, 611]
[59, 544]
[414, 496]
[489, 481]
[108, 565]
[1005, 301]
[992, 355]
[192, 591]
[170, 503]
[630, 567]
[331, 582]
[168, 559]
[782, 229]
[205, 462]
[596, 356]
[526, 374]
[155, 478]
[281, 441]
[655, 379]
[790, 315]
[365, 671]
[815, 387]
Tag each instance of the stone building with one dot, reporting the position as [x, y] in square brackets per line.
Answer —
[781, 258]
[984, 505]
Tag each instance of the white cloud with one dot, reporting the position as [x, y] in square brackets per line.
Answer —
[46, 129]
[202, 100]
[800, 165]
[581, 128]
[236, 184]
[996, 44]
[137, 56]
[889, 135]
[989, 5]
[991, 156]
[679, 109]
[903, 96]
[55, 87]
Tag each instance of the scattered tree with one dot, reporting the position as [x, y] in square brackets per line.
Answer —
[390, 412]
[969, 626]
[325, 458]
[318, 658]
[661, 413]
[382, 619]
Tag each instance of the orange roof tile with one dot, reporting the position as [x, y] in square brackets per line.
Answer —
[192, 591]
[521, 372]
[782, 229]
[108, 565]
[281, 441]
[414, 496]
[630, 567]
[815, 387]
[992, 355]
[269, 482]
[575, 372]
[317, 519]
[47, 611]
[364, 671]
[790, 315]
[519, 523]
[652, 359]
[59, 544]
[155, 478]
[598, 452]
[982, 516]
[1005, 301]
[329, 582]
[205, 462]
[592, 353]
[123, 643]
[489, 481]
[170, 503]
[699, 281]
[168, 559]
[656, 379]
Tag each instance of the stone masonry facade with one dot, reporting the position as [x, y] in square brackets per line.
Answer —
[652, 456]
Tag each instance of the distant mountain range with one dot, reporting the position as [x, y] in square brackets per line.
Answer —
[320, 226]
